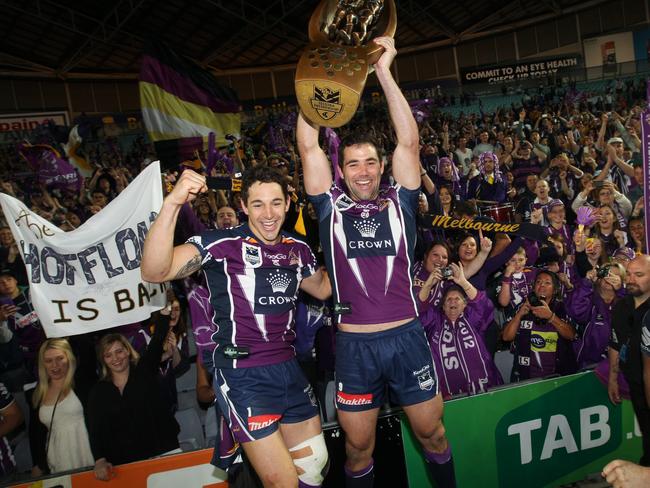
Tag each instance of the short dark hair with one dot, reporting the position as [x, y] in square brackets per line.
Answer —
[361, 138]
[262, 174]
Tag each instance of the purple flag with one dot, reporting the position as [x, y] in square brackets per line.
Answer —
[52, 170]
[645, 138]
[333, 142]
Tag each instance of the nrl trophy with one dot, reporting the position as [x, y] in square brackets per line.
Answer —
[332, 72]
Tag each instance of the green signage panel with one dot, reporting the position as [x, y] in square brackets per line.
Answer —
[539, 434]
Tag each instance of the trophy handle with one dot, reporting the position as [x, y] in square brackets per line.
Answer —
[323, 14]
[326, 10]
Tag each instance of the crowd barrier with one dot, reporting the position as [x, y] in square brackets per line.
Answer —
[538, 434]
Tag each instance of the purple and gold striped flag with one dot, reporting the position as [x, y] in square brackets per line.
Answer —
[182, 103]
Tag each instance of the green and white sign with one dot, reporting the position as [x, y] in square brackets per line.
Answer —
[540, 434]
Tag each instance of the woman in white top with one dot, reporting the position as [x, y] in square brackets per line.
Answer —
[58, 434]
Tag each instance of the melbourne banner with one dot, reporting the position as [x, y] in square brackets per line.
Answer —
[505, 73]
[89, 279]
[543, 434]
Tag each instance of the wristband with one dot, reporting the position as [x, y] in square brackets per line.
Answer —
[506, 281]
[551, 317]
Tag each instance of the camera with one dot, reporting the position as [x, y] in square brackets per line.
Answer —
[534, 300]
[602, 272]
[446, 272]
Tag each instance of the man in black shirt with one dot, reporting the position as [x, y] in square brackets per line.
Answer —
[625, 345]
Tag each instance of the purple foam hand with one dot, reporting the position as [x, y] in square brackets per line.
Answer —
[585, 216]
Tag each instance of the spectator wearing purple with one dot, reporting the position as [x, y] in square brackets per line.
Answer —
[541, 332]
[563, 178]
[21, 319]
[524, 163]
[604, 193]
[527, 196]
[590, 305]
[539, 207]
[11, 417]
[557, 226]
[455, 332]
[489, 184]
[428, 282]
[447, 175]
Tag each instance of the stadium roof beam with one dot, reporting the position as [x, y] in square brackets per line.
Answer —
[553, 5]
[436, 19]
[469, 34]
[260, 28]
[7, 59]
[110, 26]
[70, 21]
[496, 16]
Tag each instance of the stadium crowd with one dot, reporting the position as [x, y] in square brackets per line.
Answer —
[562, 159]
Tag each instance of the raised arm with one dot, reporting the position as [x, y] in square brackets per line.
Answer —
[317, 285]
[161, 261]
[317, 172]
[406, 161]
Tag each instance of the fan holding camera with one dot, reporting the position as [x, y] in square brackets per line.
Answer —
[541, 332]
[590, 304]
[456, 330]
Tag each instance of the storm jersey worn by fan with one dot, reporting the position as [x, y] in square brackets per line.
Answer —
[368, 248]
[253, 289]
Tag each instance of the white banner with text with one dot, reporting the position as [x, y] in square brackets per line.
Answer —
[88, 279]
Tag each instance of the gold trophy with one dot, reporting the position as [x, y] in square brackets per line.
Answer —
[332, 72]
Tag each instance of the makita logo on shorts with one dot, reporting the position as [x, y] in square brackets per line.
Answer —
[352, 399]
[258, 422]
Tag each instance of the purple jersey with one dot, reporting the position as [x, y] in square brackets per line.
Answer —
[201, 313]
[368, 248]
[420, 276]
[594, 318]
[540, 350]
[566, 233]
[463, 363]
[521, 284]
[253, 289]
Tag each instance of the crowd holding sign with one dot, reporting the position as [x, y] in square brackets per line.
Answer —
[89, 279]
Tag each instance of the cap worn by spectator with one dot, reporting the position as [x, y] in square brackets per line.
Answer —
[7, 272]
[625, 253]
[555, 203]
[615, 140]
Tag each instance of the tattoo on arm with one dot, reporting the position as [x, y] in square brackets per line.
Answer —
[188, 268]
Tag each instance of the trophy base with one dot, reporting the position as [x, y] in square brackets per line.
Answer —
[329, 82]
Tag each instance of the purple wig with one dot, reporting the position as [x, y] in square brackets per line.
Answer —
[454, 170]
[493, 157]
